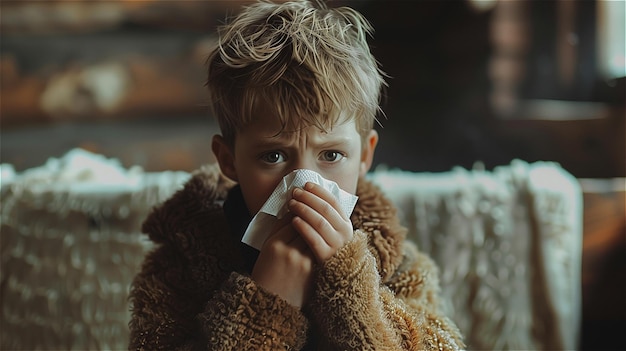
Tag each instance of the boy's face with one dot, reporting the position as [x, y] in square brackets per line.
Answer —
[261, 157]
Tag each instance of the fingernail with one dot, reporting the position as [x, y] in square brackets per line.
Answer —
[297, 191]
[308, 186]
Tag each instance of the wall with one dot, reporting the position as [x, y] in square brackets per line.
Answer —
[126, 79]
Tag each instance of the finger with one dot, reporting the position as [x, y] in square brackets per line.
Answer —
[315, 242]
[327, 196]
[282, 222]
[282, 231]
[323, 202]
[316, 222]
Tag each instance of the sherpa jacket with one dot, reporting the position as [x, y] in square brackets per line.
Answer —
[194, 292]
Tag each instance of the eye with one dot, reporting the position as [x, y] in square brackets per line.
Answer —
[332, 156]
[273, 157]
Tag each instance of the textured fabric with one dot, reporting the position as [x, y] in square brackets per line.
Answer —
[509, 244]
[70, 246]
[193, 291]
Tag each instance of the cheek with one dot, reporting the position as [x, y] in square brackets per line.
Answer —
[350, 186]
[348, 179]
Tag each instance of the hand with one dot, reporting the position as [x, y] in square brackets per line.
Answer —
[285, 264]
[319, 220]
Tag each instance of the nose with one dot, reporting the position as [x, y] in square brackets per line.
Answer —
[304, 162]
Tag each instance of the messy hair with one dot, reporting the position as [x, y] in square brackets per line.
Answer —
[308, 63]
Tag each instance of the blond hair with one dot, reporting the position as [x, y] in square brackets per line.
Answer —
[310, 64]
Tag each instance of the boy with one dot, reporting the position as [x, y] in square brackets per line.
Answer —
[293, 86]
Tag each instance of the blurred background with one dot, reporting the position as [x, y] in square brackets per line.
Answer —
[470, 81]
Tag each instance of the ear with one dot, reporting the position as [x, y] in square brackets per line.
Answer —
[367, 155]
[225, 157]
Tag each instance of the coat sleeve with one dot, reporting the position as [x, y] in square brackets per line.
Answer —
[169, 314]
[353, 309]
[244, 316]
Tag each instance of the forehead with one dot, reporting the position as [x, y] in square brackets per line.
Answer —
[271, 123]
[272, 130]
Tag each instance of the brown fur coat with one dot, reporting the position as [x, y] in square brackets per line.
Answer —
[377, 293]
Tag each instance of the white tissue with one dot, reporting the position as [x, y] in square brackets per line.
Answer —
[276, 205]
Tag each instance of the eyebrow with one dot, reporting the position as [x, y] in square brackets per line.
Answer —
[333, 143]
[268, 144]
[283, 142]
